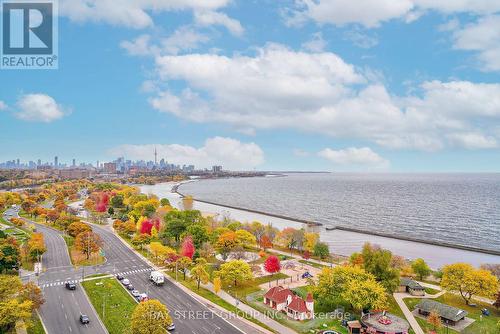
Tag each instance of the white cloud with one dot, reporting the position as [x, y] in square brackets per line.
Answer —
[210, 17]
[483, 37]
[3, 106]
[371, 13]
[363, 156]
[320, 93]
[316, 43]
[183, 39]
[473, 141]
[136, 13]
[38, 108]
[230, 153]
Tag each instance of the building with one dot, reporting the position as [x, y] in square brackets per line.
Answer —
[74, 173]
[216, 169]
[449, 314]
[110, 167]
[411, 286]
[56, 161]
[383, 323]
[282, 299]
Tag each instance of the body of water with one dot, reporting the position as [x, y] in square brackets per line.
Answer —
[460, 209]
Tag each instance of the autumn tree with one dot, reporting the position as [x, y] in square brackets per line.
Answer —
[365, 294]
[187, 247]
[356, 259]
[9, 253]
[420, 268]
[187, 202]
[235, 271]
[139, 240]
[217, 285]
[227, 241]
[199, 272]
[199, 233]
[321, 250]
[78, 227]
[435, 320]
[159, 251]
[150, 317]
[497, 301]
[258, 230]
[378, 261]
[287, 238]
[469, 281]
[272, 264]
[36, 246]
[88, 243]
[265, 242]
[183, 264]
[245, 238]
[31, 291]
[310, 240]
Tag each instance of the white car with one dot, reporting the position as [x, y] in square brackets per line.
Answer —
[125, 281]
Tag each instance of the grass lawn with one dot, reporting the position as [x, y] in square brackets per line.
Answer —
[245, 288]
[431, 291]
[77, 257]
[313, 264]
[486, 325]
[191, 285]
[36, 325]
[118, 304]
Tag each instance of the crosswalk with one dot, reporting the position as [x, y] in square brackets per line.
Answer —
[75, 281]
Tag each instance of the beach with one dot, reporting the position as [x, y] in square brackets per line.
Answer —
[339, 241]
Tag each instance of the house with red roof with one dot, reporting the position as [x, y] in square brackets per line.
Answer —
[282, 299]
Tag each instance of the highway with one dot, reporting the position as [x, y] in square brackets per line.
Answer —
[62, 308]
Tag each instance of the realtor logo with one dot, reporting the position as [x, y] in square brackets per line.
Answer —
[29, 34]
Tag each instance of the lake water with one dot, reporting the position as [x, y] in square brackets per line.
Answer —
[461, 209]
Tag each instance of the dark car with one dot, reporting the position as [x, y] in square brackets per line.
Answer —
[84, 319]
[119, 277]
[130, 287]
[70, 286]
[485, 312]
[307, 275]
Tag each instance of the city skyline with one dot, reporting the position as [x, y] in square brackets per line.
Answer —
[403, 88]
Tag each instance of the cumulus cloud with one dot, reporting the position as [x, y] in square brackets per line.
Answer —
[473, 141]
[228, 152]
[362, 156]
[136, 13]
[38, 108]
[210, 17]
[3, 106]
[483, 37]
[371, 13]
[320, 93]
[183, 39]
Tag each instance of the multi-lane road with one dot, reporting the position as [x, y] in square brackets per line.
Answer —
[60, 313]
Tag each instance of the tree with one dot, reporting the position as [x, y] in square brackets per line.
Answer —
[258, 230]
[286, 238]
[164, 202]
[272, 264]
[158, 251]
[139, 240]
[356, 259]
[378, 261]
[321, 249]
[468, 281]
[187, 202]
[199, 272]
[31, 291]
[150, 317]
[176, 222]
[199, 234]
[245, 238]
[88, 243]
[187, 247]
[217, 285]
[497, 301]
[13, 310]
[117, 201]
[310, 240]
[362, 294]
[226, 242]
[265, 242]
[420, 268]
[435, 320]
[235, 271]
[183, 264]
[206, 250]
[9, 253]
[16, 301]
[78, 227]
[36, 246]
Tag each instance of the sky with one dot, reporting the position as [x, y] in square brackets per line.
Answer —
[337, 85]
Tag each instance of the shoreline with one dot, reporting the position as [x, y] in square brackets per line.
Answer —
[175, 189]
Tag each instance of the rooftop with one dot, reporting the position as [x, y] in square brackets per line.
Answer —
[445, 311]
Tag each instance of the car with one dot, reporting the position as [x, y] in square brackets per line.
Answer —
[119, 277]
[142, 297]
[84, 319]
[130, 287]
[70, 286]
[485, 312]
[328, 331]
[125, 281]
[135, 293]
[171, 327]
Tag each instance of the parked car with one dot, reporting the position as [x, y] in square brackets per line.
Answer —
[142, 297]
[125, 281]
[84, 319]
[135, 293]
[130, 287]
[70, 286]
[328, 331]
[171, 327]
[485, 312]
[119, 277]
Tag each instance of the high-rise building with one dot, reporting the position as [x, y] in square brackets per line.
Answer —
[156, 157]
[74, 162]
[56, 162]
[39, 162]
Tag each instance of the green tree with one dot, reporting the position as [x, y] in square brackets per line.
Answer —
[365, 294]
[469, 281]
[321, 249]
[332, 282]
[199, 272]
[176, 222]
[183, 264]
[235, 271]
[164, 202]
[9, 253]
[378, 262]
[420, 268]
[199, 234]
[150, 317]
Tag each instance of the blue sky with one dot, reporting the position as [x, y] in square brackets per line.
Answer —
[403, 85]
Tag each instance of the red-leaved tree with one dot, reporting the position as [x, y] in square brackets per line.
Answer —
[272, 264]
[265, 242]
[187, 247]
[146, 227]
